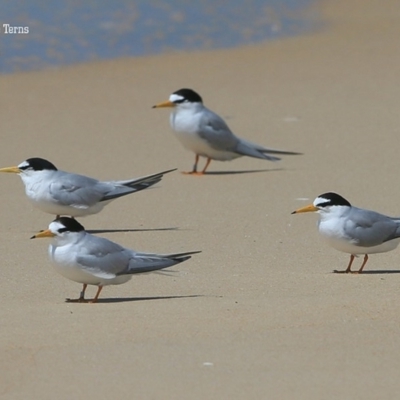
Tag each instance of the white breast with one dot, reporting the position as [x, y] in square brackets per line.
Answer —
[64, 261]
[185, 125]
[37, 189]
[332, 231]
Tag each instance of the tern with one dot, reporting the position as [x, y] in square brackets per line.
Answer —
[205, 133]
[353, 230]
[81, 257]
[62, 193]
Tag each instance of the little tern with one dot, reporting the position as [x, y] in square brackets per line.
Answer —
[206, 134]
[81, 257]
[62, 193]
[353, 230]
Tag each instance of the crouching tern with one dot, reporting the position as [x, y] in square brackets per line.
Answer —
[206, 134]
[353, 230]
[62, 193]
[81, 257]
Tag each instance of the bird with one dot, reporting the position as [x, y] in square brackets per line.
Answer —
[84, 258]
[62, 193]
[353, 230]
[205, 133]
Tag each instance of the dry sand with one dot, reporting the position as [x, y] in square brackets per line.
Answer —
[259, 314]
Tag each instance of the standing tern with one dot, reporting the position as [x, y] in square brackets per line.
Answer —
[81, 257]
[206, 134]
[353, 230]
[62, 193]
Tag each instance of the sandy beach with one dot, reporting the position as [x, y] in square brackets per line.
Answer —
[259, 313]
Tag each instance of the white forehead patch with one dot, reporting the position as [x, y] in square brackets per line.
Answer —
[175, 97]
[55, 226]
[24, 164]
[320, 200]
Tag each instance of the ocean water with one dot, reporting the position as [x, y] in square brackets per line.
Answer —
[58, 32]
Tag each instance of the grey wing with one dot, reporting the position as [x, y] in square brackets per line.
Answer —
[245, 147]
[216, 132]
[77, 190]
[368, 228]
[122, 188]
[148, 262]
[103, 258]
[218, 135]
[142, 263]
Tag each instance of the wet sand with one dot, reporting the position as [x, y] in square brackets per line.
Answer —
[259, 313]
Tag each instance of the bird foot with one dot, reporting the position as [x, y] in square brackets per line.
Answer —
[79, 300]
[335, 271]
[192, 173]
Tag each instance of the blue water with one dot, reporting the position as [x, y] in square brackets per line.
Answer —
[70, 31]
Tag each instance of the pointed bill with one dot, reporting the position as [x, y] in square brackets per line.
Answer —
[14, 170]
[309, 208]
[43, 234]
[165, 104]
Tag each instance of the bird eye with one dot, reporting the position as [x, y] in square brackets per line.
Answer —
[180, 101]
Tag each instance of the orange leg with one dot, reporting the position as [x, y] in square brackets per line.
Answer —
[97, 295]
[206, 166]
[362, 266]
[81, 298]
[348, 269]
[194, 171]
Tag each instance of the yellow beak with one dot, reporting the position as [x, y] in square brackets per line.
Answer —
[14, 170]
[46, 233]
[309, 208]
[165, 104]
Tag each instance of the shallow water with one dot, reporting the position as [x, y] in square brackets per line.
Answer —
[65, 32]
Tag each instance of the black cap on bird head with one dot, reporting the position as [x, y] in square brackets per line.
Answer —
[187, 95]
[37, 164]
[70, 225]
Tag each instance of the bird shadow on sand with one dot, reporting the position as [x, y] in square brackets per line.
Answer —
[96, 231]
[249, 171]
[382, 271]
[131, 299]
[373, 272]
